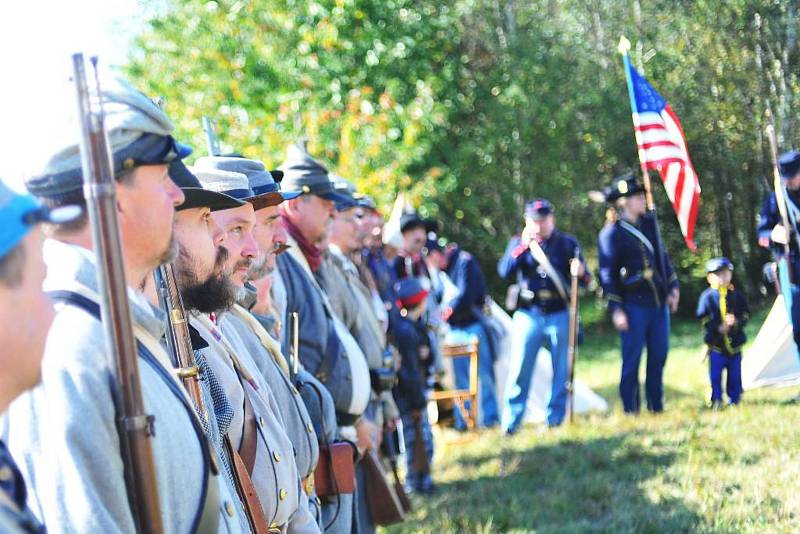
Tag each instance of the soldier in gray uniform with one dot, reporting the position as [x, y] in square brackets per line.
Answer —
[257, 430]
[265, 350]
[26, 315]
[64, 432]
[351, 301]
[327, 350]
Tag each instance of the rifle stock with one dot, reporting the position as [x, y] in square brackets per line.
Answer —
[421, 464]
[136, 429]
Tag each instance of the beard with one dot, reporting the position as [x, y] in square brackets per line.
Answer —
[171, 253]
[258, 269]
[215, 293]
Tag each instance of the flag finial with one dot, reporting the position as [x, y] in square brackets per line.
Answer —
[624, 45]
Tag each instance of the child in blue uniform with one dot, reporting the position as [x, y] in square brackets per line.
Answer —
[724, 313]
[410, 335]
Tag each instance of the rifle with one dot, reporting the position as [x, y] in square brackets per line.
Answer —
[136, 429]
[178, 337]
[572, 345]
[421, 464]
[784, 263]
[212, 136]
[180, 344]
[294, 335]
[779, 192]
[389, 450]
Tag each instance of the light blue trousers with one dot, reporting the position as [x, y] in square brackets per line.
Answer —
[531, 329]
[488, 413]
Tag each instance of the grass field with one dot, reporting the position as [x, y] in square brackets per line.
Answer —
[687, 470]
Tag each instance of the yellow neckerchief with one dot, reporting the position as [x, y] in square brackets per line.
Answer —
[723, 310]
[272, 346]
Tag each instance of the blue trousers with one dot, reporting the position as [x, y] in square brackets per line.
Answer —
[733, 382]
[647, 327]
[414, 480]
[488, 413]
[530, 329]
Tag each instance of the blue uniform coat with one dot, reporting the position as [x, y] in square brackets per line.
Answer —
[629, 271]
[708, 311]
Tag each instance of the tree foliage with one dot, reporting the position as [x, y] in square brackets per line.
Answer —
[473, 106]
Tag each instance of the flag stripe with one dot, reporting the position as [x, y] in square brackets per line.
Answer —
[662, 147]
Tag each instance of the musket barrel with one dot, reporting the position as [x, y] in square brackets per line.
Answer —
[135, 427]
[178, 336]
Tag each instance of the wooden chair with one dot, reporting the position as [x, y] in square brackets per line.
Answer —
[460, 396]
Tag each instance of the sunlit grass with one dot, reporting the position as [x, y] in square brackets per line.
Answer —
[687, 470]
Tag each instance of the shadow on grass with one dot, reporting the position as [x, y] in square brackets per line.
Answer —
[574, 486]
[672, 396]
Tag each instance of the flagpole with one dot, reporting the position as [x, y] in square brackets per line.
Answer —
[623, 48]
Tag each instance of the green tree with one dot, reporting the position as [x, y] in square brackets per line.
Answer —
[474, 106]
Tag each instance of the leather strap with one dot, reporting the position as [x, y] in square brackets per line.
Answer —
[272, 346]
[207, 518]
[635, 232]
[539, 255]
[247, 449]
[247, 491]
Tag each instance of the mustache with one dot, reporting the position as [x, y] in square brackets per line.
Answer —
[245, 263]
[280, 248]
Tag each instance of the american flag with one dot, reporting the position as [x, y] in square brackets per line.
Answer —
[662, 146]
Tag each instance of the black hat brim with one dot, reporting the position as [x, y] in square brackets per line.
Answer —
[333, 196]
[196, 197]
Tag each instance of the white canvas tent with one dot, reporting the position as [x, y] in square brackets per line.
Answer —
[772, 358]
[586, 400]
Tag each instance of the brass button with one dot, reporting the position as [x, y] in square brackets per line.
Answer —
[282, 494]
[260, 421]
[310, 428]
[6, 473]
[294, 390]
[229, 509]
[276, 455]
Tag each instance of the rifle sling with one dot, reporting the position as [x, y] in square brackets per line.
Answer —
[206, 520]
[249, 444]
[247, 491]
[541, 258]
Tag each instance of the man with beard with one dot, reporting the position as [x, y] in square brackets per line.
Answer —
[297, 399]
[352, 302]
[322, 335]
[65, 431]
[201, 288]
[257, 431]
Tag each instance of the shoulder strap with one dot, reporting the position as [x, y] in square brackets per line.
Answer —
[272, 346]
[542, 259]
[207, 518]
[638, 235]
